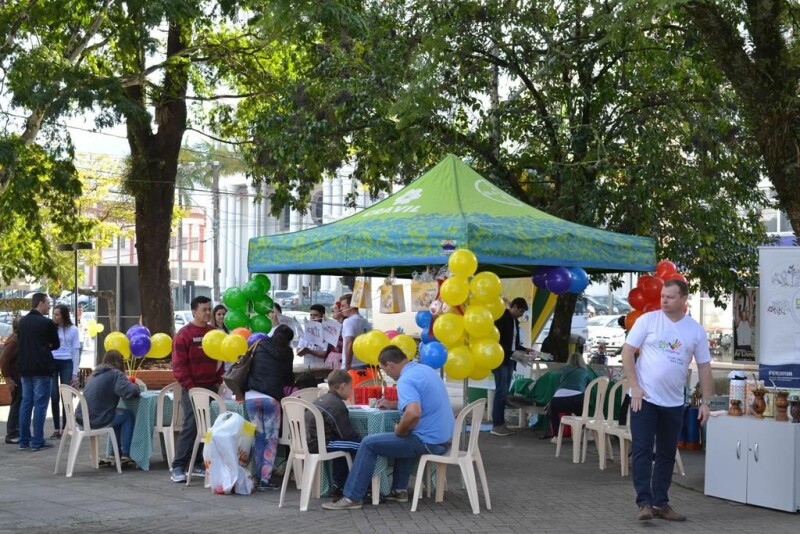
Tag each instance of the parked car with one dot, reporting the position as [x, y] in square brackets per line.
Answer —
[182, 318]
[5, 331]
[286, 298]
[620, 305]
[324, 298]
[605, 328]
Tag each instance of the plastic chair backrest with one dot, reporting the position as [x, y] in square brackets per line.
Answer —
[612, 393]
[177, 410]
[294, 411]
[68, 395]
[201, 401]
[475, 409]
[309, 394]
[598, 383]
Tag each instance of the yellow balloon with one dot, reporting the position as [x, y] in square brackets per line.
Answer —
[459, 363]
[160, 346]
[455, 290]
[373, 344]
[359, 348]
[478, 321]
[117, 341]
[479, 373]
[212, 344]
[406, 344]
[496, 307]
[232, 347]
[463, 263]
[487, 354]
[460, 342]
[493, 337]
[449, 328]
[485, 286]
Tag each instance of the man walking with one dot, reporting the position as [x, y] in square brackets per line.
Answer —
[192, 369]
[425, 427]
[667, 341]
[37, 337]
[508, 325]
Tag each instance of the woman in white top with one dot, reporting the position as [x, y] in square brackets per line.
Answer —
[67, 360]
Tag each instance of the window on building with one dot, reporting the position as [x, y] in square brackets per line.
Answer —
[173, 242]
[285, 218]
[316, 207]
[173, 273]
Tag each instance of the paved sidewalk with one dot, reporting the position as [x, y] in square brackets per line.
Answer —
[531, 491]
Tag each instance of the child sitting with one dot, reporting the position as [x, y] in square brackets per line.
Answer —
[102, 393]
[339, 433]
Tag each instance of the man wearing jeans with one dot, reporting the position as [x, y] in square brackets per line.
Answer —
[37, 338]
[508, 325]
[425, 427]
[667, 341]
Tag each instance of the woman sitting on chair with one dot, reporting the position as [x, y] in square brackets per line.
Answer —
[105, 387]
[270, 372]
[568, 398]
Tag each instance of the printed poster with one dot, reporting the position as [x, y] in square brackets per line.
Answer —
[779, 316]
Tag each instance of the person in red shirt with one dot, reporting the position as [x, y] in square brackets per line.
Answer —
[192, 369]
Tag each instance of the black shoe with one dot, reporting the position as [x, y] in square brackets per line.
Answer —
[336, 492]
[267, 486]
[12, 441]
[42, 447]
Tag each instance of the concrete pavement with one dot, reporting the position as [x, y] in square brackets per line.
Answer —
[531, 491]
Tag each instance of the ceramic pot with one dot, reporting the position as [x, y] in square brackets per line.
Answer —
[759, 404]
[735, 408]
[781, 404]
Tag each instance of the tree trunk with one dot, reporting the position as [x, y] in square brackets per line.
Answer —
[562, 324]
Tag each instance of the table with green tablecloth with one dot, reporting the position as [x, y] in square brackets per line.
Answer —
[368, 421]
[144, 411]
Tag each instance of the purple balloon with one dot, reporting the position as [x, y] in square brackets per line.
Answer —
[255, 337]
[137, 330]
[140, 345]
[579, 280]
[558, 280]
[540, 276]
[433, 354]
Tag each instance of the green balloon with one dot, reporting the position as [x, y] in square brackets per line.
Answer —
[235, 319]
[252, 290]
[235, 299]
[260, 323]
[263, 279]
[263, 305]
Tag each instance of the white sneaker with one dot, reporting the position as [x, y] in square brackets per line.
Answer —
[501, 430]
[177, 475]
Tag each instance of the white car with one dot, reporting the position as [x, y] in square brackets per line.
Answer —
[182, 318]
[605, 328]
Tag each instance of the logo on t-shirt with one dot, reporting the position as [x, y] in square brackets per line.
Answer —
[671, 348]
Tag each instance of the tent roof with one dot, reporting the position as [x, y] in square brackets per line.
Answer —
[450, 206]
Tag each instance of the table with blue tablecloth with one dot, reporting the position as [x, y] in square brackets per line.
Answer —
[144, 411]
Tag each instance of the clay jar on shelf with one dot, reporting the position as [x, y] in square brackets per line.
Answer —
[759, 404]
[735, 408]
[781, 404]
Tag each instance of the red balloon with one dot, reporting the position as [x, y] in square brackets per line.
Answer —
[651, 286]
[676, 276]
[651, 307]
[664, 268]
[631, 318]
[637, 299]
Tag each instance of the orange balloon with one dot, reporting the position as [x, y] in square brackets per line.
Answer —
[242, 331]
[631, 318]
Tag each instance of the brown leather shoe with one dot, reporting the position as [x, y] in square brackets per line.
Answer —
[666, 512]
[645, 513]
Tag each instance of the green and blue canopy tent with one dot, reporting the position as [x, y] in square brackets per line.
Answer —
[450, 206]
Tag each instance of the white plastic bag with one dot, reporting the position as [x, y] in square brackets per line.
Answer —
[222, 456]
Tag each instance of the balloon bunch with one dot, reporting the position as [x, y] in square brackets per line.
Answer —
[646, 296]
[93, 327]
[367, 347]
[218, 345]
[249, 305]
[560, 280]
[137, 344]
[459, 332]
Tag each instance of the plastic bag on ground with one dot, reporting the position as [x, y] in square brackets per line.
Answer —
[225, 452]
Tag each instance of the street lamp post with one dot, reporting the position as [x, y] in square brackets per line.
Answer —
[75, 247]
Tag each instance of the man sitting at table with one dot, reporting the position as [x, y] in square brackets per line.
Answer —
[425, 427]
[339, 432]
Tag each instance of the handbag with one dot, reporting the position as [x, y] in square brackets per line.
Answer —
[238, 373]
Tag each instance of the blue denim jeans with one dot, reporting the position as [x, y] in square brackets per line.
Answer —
[35, 395]
[123, 429]
[502, 383]
[654, 426]
[404, 450]
[62, 375]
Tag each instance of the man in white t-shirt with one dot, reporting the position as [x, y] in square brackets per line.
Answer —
[353, 326]
[667, 341]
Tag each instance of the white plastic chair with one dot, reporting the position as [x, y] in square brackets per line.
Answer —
[463, 459]
[168, 432]
[309, 394]
[294, 410]
[578, 422]
[68, 397]
[201, 403]
[600, 427]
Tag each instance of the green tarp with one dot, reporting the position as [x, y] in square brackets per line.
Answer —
[450, 206]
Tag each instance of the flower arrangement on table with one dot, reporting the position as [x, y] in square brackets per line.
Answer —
[136, 345]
